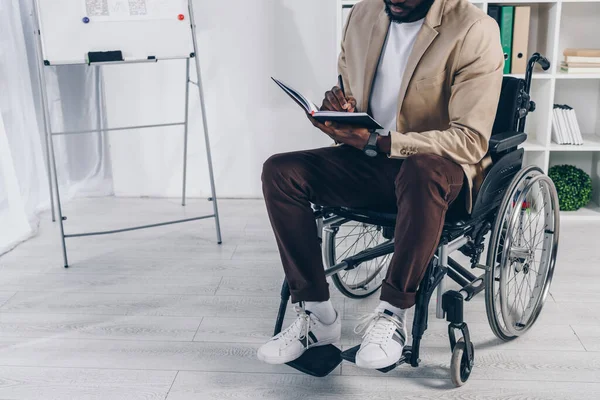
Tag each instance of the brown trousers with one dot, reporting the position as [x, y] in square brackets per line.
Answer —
[420, 187]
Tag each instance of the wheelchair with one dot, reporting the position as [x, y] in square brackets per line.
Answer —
[516, 205]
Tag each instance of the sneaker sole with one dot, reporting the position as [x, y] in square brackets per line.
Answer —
[379, 365]
[280, 360]
[375, 366]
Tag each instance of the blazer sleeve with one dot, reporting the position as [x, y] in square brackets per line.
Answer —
[473, 103]
[342, 67]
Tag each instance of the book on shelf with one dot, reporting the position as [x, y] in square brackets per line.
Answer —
[586, 61]
[514, 35]
[494, 12]
[520, 39]
[507, 14]
[586, 53]
[565, 128]
[582, 60]
[580, 69]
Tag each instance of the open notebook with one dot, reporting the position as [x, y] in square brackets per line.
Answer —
[363, 120]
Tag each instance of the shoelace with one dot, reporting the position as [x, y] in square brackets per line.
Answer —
[301, 325]
[376, 331]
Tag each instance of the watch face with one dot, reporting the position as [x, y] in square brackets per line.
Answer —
[371, 152]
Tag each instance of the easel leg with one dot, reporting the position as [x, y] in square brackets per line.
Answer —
[185, 134]
[45, 116]
[51, 156]
[205, 125]
[209, 157]
[59, 207]
[48, 169]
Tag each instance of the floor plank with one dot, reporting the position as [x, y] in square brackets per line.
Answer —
[147, 304]
[34, 383]
[5, 296]
[81, 326]
[258, 286]
[589, 335]
[146, 355]
[502, 364]
[219, 386]
[109, 283]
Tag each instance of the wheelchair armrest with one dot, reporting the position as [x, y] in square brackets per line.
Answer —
[506, 140]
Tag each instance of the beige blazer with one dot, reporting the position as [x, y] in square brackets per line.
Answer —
[450, 90]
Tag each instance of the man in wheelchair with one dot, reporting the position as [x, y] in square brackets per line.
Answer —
[431, 72]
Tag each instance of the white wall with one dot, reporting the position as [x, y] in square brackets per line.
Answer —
[242, 44]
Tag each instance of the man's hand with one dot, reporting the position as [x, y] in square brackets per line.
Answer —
[336, 101]
[347, 134]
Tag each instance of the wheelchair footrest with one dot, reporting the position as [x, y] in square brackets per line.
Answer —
[318, 361]
[350, 355]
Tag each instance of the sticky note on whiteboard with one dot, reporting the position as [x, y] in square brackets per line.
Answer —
[131, 10]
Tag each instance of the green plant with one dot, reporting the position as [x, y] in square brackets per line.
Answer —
[573, 185]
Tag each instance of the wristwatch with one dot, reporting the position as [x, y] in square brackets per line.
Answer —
[371, 147]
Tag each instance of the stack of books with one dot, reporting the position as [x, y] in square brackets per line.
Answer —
[581, 61]
[565, 129]
[514, 35]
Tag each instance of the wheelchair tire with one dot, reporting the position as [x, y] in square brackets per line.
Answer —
[348, 238]
[528, 218]
[459, 364]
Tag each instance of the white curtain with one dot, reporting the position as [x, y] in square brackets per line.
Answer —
[74, 94]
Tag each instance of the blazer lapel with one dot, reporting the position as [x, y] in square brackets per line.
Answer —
[376, 43]
[425, 38]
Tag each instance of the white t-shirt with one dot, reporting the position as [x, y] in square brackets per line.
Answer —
[388, 79]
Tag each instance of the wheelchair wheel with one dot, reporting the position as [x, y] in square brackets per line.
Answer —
[460, 366]
[522, 254]
[346, 239]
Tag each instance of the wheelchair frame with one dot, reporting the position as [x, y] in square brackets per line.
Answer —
[467, 237]
[449, 303]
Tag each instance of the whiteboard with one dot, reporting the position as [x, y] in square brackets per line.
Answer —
[141, 29]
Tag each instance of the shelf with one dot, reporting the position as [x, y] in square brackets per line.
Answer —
[590, 143]
[563, 75]
[532, 146]
[536, 75]
[353, 2]
[522, 2]
[589, 213]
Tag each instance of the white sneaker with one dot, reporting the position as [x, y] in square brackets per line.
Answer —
[306, 332]
[383, 340]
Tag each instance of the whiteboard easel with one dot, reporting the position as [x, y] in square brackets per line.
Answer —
[64, 30]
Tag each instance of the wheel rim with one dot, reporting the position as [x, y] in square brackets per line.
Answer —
[351, 238]
[528, 240]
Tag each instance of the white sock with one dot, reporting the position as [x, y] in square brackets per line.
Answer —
[398, 312]
[323, 310]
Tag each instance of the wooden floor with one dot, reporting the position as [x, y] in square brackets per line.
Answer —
[168, 314]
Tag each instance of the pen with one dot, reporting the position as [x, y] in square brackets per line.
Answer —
[341, 83]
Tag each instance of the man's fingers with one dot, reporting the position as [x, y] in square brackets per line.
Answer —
[352, 103]
[313, 121]
[331, 125]
[339, 95]
[334, 101]
[327, 106]
[317, 124]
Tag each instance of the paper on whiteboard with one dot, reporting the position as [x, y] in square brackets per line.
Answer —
[131, 10]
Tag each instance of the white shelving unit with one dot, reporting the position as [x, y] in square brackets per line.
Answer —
[555, 25]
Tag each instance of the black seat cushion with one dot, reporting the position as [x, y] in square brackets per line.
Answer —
[389, 218]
